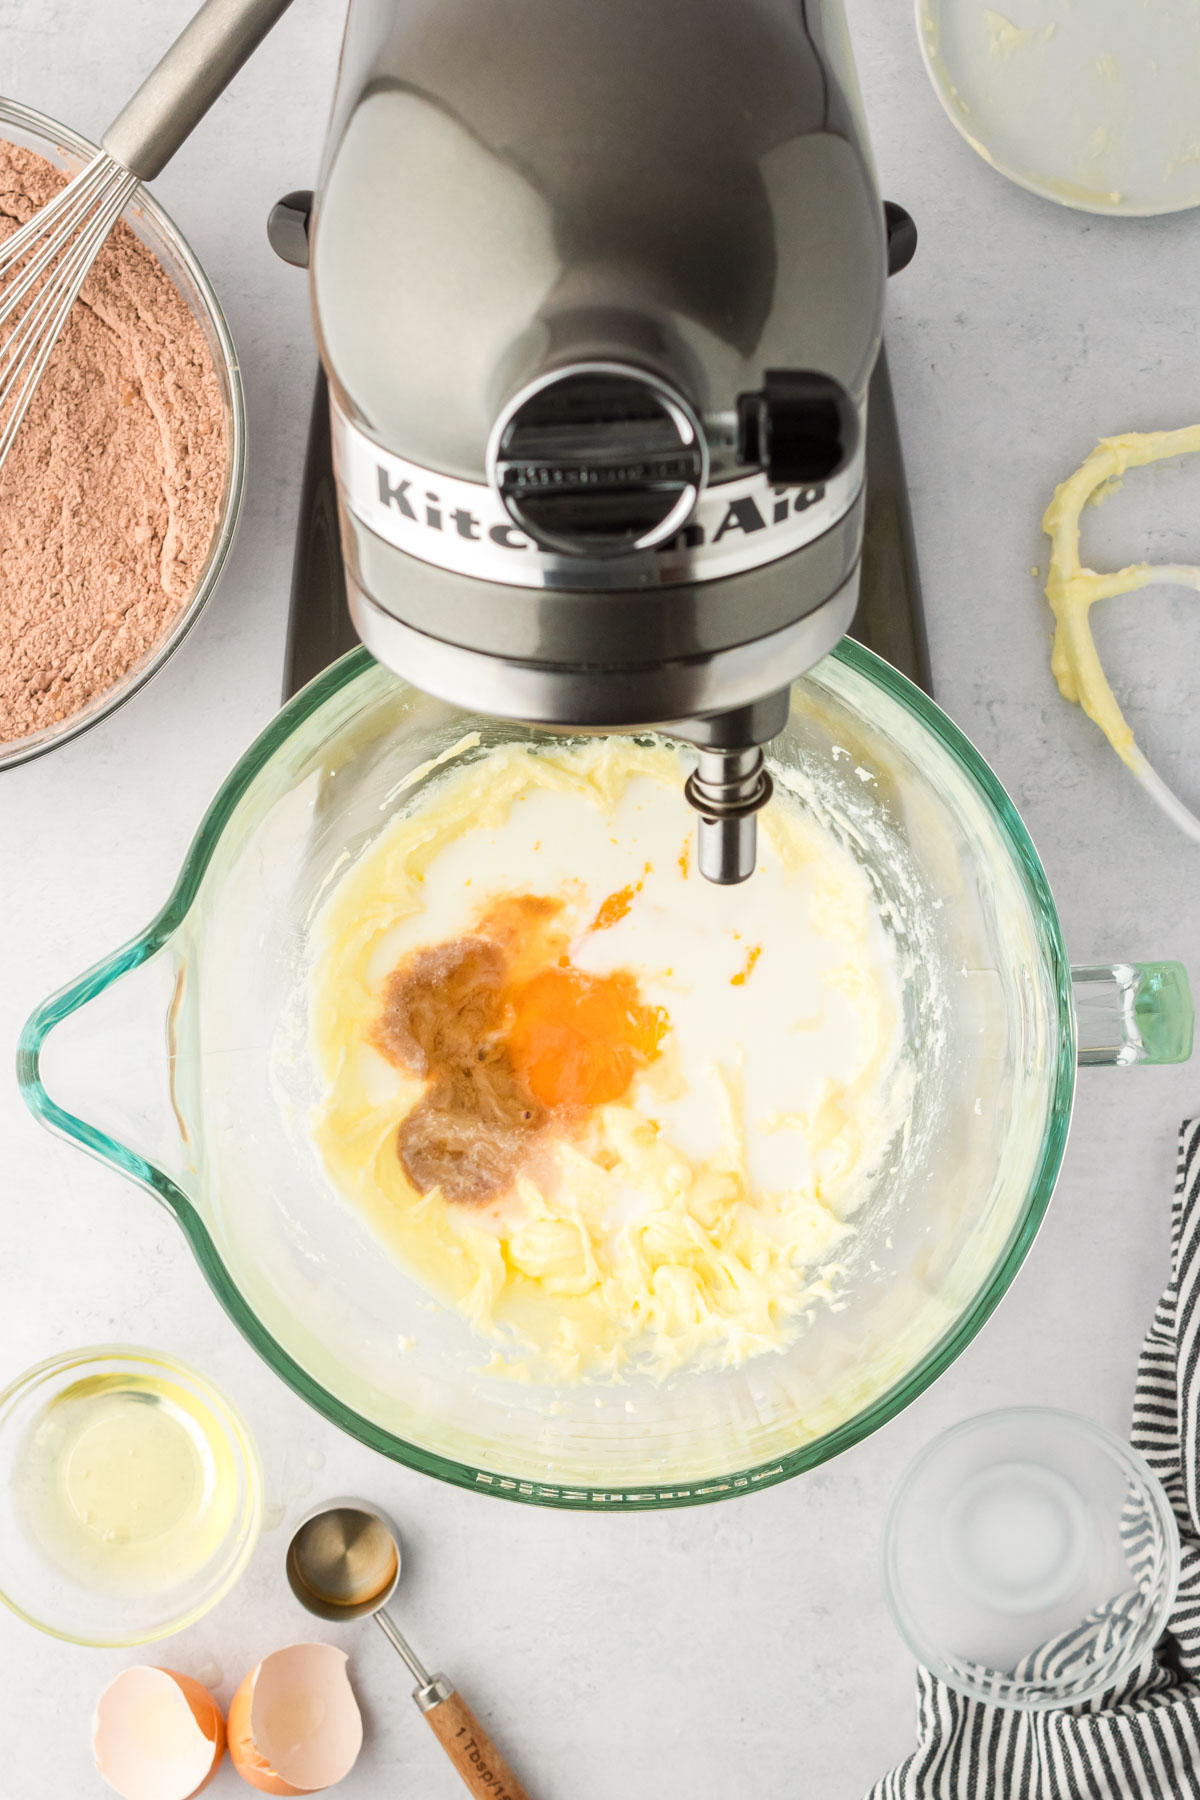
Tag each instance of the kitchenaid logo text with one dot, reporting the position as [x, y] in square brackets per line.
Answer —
[434, 516]
[463, 526]
[745, 515]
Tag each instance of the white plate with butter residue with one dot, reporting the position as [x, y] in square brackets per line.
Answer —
[1093, 103]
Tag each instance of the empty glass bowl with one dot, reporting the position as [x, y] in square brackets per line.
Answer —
[1031, 1558]
[130, 1496]
[147, 220]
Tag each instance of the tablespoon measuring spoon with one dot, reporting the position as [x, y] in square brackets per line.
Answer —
[344, 1563]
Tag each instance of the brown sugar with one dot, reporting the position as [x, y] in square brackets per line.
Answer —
[112, 490]
[445, 1012]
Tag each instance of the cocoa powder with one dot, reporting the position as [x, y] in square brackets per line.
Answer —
[111, 492]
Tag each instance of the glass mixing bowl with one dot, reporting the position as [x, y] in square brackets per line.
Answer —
[147, 220]
[175, 1060]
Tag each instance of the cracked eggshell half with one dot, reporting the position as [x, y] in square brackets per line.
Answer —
[157, 1735]
[294, 1724]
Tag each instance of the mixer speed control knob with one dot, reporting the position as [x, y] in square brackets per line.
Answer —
[802, 427]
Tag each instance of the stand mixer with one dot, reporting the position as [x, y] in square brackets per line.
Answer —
[599, 293]
[599, 296]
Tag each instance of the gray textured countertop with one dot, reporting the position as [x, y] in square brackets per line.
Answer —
[743, 1648]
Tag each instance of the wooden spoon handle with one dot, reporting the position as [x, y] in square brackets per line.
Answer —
[470, 1748]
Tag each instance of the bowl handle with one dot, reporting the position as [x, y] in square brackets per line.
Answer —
[95, 1065]
[1133, 1013]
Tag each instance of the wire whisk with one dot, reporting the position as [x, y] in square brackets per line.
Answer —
[57, 247]
[45, 262]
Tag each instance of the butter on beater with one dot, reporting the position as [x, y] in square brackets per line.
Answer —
[1073, 590]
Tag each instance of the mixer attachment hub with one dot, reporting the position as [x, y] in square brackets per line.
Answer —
[727, 789]
[730, 784]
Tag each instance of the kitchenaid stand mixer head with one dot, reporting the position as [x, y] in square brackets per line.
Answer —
[599, 292]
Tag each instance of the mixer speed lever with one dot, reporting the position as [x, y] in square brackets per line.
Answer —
[801, 427]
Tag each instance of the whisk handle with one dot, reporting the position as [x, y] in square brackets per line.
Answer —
[181, 87]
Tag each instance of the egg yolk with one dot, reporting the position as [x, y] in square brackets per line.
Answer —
[577, 1039]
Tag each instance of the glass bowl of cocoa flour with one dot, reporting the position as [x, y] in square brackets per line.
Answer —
[121, 494]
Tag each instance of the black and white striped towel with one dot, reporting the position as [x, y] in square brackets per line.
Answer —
[1142, 1740]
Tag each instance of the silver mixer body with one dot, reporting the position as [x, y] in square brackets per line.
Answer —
[599, 291]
